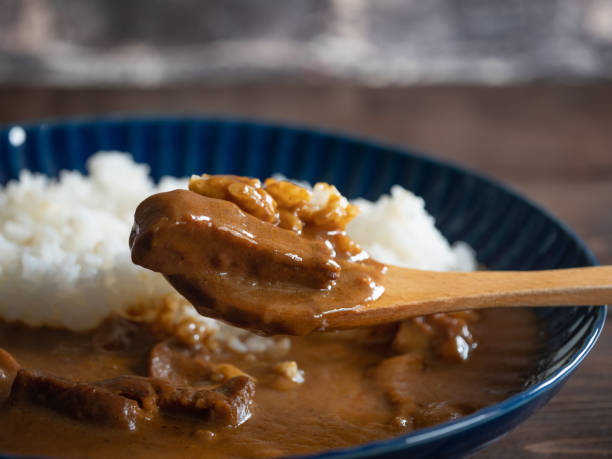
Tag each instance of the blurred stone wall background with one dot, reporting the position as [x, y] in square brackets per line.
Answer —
[378, 42]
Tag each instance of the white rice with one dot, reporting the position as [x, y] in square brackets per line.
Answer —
[397, 230]
[64, 255]
[65, 259]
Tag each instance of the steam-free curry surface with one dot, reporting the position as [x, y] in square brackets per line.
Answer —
[358, 386]
[275, 260]
[234, 266]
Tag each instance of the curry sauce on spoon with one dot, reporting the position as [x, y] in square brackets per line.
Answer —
[257, 275]
[281, 269]
[273, 257]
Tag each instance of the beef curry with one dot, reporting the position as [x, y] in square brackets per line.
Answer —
[126, 391]
[272, 264]
[135, 389]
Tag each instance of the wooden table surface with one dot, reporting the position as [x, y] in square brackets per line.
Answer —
[553, 142]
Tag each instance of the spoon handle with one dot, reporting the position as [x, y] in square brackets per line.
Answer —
[410, 292]
[484, 289]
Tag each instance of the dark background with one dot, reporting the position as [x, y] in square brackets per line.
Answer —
[381, 42]
[520, 90]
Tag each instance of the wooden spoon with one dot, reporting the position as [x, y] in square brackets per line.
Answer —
[232, 266]
[413, 292]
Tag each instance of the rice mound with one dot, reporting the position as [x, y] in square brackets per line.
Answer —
[65, 260]
[397, 230]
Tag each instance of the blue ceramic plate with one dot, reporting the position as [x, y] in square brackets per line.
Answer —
[506, 230]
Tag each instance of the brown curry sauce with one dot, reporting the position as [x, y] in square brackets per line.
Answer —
[359, 386]
[127, 389]
[273, 263]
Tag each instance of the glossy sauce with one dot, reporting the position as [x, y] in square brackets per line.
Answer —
[232, 265]
[265, 259]
[359, 386]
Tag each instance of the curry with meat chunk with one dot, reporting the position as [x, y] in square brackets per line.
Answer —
[143, 389]
[125, 391]
[273, 264]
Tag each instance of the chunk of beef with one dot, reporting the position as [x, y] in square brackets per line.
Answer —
[229, 404]
[137, 388]
[185, 366]
[8, 371]
[442, 335]
[78, 400]
[127, 400]
[179, 364]
[183, 382]
[118, 334]
[185, 235]
[416, 396]
[401, 377]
